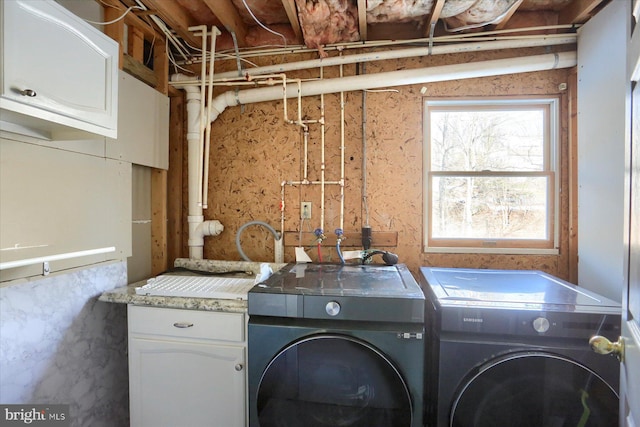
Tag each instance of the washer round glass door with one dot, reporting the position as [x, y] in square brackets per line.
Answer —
[332, 380]
[535, 389]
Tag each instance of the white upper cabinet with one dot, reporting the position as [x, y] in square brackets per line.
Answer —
[143, 125]
[58, 73]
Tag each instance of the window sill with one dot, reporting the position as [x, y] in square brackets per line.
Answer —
[502, 251]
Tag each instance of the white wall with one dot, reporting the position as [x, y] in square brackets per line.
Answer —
[601, 132]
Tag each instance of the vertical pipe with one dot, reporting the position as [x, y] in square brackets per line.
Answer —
[207, 139]
[321, 153]
[203, 79]
[299, 81]
[341, 153]
[306, 154]
[284, 99]
[282, 184]
[194, 217]
[365, 201]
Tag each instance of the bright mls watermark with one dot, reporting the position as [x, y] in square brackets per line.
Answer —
[35, 415]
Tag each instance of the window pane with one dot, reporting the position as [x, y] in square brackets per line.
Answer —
[487, 140]
[489, 207]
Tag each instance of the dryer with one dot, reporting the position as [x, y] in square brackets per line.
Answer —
[336, 345]
[511, 348]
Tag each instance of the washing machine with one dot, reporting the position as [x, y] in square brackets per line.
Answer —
[511, 348]
[336, 345]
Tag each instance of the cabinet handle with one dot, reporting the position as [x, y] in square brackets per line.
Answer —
[239, 367]
[183, 325]
[28, 92]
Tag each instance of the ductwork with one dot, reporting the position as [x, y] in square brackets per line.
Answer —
[198, 228]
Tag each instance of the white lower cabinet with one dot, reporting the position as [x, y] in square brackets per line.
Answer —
[186, 367]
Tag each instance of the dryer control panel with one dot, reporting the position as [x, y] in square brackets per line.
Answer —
[529, 323]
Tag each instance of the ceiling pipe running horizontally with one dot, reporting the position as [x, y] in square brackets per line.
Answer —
[469, 70]
[415, 52]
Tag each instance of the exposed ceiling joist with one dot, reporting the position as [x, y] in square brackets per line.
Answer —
[292, 15]
[578, 11]
[176, 18]
[362, 19]
[502, 24]
[435, 15]
[228, 15]
[437, 10]
[320, 22]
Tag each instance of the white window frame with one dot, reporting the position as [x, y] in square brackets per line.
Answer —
[553, 150]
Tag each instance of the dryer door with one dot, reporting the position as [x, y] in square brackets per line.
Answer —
[332, 380]
[535, 389]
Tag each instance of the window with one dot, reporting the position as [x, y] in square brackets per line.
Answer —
[490, 175]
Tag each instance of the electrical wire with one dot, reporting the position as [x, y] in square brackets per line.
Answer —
[173, 60]
[163, 28]
[224, 55]
[261, 24]
[228, 55]
[153, 42]
[121, 17]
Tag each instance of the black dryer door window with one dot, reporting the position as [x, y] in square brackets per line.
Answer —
[332, 380]
[535, 390]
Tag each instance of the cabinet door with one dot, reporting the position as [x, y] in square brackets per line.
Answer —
[175, 383]
[58, 205]
[58, 68]
[143, 125]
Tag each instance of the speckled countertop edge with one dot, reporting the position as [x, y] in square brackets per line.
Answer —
[127, 294]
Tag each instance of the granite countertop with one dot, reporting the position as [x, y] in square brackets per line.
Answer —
[127, 294]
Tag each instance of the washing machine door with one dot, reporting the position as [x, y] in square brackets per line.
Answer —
[535, 389]
[332, 380]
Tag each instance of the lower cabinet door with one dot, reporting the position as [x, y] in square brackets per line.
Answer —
[186, 384]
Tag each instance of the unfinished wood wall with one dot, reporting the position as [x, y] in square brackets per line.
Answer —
[253, 151]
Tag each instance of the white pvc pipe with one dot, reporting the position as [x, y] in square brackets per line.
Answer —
[198, 228]
[203, 124]
[322, 159]
[193, 149]
[207, 138]
[405, 53]
[342, 148]
[440, 73]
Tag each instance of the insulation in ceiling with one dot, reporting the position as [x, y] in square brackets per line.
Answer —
[328, 21]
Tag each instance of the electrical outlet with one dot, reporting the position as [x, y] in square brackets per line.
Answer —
[305, 210]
